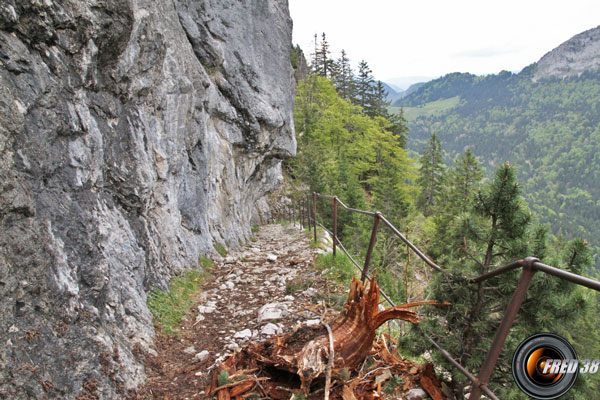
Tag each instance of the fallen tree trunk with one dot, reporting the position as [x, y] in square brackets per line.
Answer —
[307, 351]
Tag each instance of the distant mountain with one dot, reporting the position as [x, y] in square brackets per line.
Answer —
[395, 87]
[579, 54]
[545, 120]
[406, 81]
[412, 88]
[392, 94]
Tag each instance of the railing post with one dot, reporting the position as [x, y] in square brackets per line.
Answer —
[376, 219]
[308, 220]
[301, 212]
[509, 317]
[334, 225]
[315, 214]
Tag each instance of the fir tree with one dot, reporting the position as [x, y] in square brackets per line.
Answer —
[464, 179]
[398, 126]
[431, 176]
[322, 62]
[364, 85]
[343, 77]
[378, 103]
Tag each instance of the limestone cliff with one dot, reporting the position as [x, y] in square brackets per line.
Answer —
[134, 135]
[579, 54]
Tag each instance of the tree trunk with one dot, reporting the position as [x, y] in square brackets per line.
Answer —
[305, 352]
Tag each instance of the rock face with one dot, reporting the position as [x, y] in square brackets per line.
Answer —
[134, 135]
[579, 54]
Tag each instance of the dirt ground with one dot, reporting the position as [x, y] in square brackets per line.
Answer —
[269, 287]
[277, 268]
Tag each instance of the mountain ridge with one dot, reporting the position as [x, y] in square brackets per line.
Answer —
[571, 58]
[549, 127]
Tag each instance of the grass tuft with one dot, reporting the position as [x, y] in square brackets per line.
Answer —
[295, 285]
[339, 268]
[221, 249]
[169, 307]
[206, 263]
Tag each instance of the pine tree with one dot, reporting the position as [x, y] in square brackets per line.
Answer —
[364, 85]
[322, 63]
[496, 229]
[343, 77]
[378, 103]
[462, 184]
[316, 56]
[464, 179]
[398, 126]
[431, 176]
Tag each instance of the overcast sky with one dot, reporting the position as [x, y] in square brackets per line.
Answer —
[435, 37]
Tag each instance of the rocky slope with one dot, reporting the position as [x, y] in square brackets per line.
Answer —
[579, 54]
[134, 135]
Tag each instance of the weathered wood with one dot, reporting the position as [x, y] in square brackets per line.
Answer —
[306, 351]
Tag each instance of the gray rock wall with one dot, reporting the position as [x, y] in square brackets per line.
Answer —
[572, 58]
[134, 135]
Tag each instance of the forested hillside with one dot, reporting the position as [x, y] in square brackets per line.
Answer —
[350, 145]
[549, 129]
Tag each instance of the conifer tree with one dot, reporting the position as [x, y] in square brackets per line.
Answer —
[464, 179]
[364, 85]
[431, 176]
[315, 60]
[343, 77]
[496, 229]
[378, 103]
[322, 63]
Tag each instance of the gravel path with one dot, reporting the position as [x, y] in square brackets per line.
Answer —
[267, 288]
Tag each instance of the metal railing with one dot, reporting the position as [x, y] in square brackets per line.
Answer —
[306, 210]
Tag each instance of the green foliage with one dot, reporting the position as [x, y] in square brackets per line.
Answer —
[295, 285]
[549, 128]
[205, 262]
[339, 268]
[342, 150]
[255, 228]
[463, 183]
[221, 249]
[223, 378]
[168, 307]
[432, 175]
[495, 229]
[299, 396]
[437, 107]
[294, 54]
